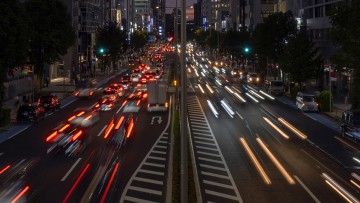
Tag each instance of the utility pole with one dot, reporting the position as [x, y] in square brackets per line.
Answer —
[183, 124]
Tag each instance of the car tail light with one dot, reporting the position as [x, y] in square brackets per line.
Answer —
[148, 105]
[137, 103]
[145, 96]
[87, 118]
[64, 128]
[119, 122]
[76, 94]
[81, 113]
[166, 105]
[97, 105]
[52, 136]
[110, 105]
[76, 135]
[71, 118]
[91, 93]
[130, 129]
[138, 85]
[109, 128]
[124, 103]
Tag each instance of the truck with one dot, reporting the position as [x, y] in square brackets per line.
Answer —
[157, 96]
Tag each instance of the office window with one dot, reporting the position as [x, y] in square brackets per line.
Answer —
[309, 13]
[319, 12]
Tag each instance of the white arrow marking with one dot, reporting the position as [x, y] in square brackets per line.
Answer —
[153, 119]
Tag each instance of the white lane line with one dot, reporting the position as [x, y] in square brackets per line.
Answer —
[215, 175]
[199, 126]
[157, 158]
[18, 132]
[19, 163]
[201, 147]
[213, 167]
[164, 142]
[134, 199]
[151, 172]
[210, 192]
[1, 153]
[196, 119]
[158, 152]
[140, 189]
[146, 180]
[198, 123]
[70, 170]
[210, 160]
[119, 109]
[102, 130]
[307, 189]
[203, 138]
[166, 133]
[218, 184]
[205, 143]
[310, 117]
[194, 114]
[209, 154]
[208, 131]
[155, 165]
[62, 106]
[239, 115]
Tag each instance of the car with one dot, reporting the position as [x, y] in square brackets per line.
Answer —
[84, 117]
[123, 131]
[135, 77]
[118, 88]
[125, 78]
[350, 124]
[106, 103]
[85, 88]
[111, 92]
[235, 72]
[50, 102]
[133, 102]
[125, 84]
[68, 139]
[306, 102]
[253, 78]
[33, 112]
[276, 87]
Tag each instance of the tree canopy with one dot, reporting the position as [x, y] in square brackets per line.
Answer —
[112, 40]
[300, 58]
[345, 33]
[138, 39]
[51, 32]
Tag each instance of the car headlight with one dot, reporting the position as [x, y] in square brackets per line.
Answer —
[250, 79]
[257, 79]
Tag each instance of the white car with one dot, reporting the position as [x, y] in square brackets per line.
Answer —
[135, 77]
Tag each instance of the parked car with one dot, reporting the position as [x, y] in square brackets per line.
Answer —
[276, 87]
[30, 113]
[350, 124]
[50, 102]
[306, 102]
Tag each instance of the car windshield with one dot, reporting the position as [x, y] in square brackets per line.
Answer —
[277, 83]
[309, 98]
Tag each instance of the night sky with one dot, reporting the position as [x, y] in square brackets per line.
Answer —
[171, 3]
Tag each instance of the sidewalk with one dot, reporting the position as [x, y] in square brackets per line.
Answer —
[64, 90]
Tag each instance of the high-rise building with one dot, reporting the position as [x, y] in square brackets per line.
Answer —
[141, 15]
[197, 15]
[216, 14]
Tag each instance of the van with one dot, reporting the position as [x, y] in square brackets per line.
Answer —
[253, 78]
[306, 102]
[276, 87]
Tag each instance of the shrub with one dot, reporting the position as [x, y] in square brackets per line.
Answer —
[324, 100]
[4, 117]
[295, 90]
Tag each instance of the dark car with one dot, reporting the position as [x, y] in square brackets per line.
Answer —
[350, 124]
[106, 103]
[30, 113]
[50, 102]
[123, 131]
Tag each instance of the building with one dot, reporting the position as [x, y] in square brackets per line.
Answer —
[216, 14]
[197, 15]
[141, 15]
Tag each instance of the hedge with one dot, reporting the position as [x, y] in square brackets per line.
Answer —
[295, 90]
[324, 100]
[4, 117]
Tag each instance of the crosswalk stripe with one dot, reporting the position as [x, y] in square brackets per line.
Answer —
[140, 189]
[134, 199]
[158, 152]
[160, 146]
[165, 142]
[203, 138]
[149, 180]
[151, 172]
[218, 184]
[212, 167]
[210, 160]
[209, 154]
[221, 195]
[214, 175]
[157, 158]
[205, 143]
[201, 147]
[156, 165]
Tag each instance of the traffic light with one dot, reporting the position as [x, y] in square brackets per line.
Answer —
[246, 49]
[101, 50]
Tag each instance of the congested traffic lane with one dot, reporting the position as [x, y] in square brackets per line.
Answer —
[304, 162]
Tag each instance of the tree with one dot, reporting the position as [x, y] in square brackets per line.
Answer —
[346, 34]
[51, 33]
[235, 42]
[269, 38]
[112, 41]
[300, 59]
[138, 39]
[200, 36]
[14, 40]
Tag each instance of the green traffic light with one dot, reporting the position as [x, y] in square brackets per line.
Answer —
[101, 50]
[246, 50]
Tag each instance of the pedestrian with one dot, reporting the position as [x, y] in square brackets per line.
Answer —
[47, 81]
[17, 101]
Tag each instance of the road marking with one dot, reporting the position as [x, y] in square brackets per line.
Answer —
[199, 126]
[209, 154]
[18, 132]
[19, 163]
[310, 117]
[199, 122]
[196, 116]
[239, 115]
[307, 189]
[146, 180]
[133, 199]
[158, 152]
[151, 172]
[157, 158]
[196, 119]
[214, 175]
[213, 167]
[218, 184]
[155, 165]
[221, 195]
[164, 142]
[63, 106]
[202, 134]
[202, 130]
[119, 109]
[205, 143]
[140, 189]
[1, 153]
[160, 146]
[203, 138]
[70, 170]
[201, 147]
[102, 130]
[210, 160]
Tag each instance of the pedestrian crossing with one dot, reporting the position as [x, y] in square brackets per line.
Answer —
[215, 180]
[148, 183]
